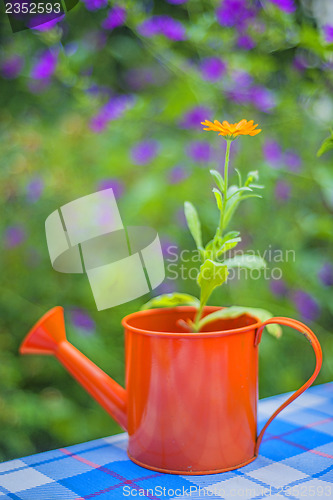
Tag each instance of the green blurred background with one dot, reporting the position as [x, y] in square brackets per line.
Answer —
[112, 96]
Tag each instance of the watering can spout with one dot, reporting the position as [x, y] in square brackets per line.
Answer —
[48, 337]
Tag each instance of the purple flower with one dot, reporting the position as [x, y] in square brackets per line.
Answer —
[325, 274]
[212, 69]
[240, 88]
[272, 153]
[278, 287]
[244, 91]
[242, 79]
[299, 62]
[282, 191]
[11, 67]
[45, 66]
[34, 189]
[192, 119]
[98, 123]
[328, 33]
[176, 2]
[177, 174]
[95, 4]
[306, 305]
[246, 42]
[144, 152]
[285, 5]
[14, 236]
[162, 25]
[172, 29]
[292, 161]
[82, 320]
[238, 95]
[112, 110]
[114, 184]
[116, 17]
[235, 13]
[262, 98]
[199, 151]
[150, 27]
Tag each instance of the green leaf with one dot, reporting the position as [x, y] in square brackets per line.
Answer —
[327, 145]
[213, 245]
[228, 245]
[240, 190]
[236, 311]
[172, 300]
[193, 223]
[252, 176]
[218, 196]
[250, 196]
[219, 245]
[212, 274]
[256, 186]
[230, 236]
[231, 190]
[239, 177]
[246, 260]
[218, 179]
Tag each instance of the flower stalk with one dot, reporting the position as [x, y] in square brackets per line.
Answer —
[219, 231]
[214, 269]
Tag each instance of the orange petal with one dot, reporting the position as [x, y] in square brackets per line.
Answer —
[207, 123]
[240, 124]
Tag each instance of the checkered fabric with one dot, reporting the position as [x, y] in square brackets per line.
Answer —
[296, 461]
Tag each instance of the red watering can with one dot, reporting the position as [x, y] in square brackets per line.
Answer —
[190, 404]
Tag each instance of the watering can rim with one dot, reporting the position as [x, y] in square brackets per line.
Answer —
[215, 333]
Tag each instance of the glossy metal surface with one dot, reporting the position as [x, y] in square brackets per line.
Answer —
[48, 337]
[190, 405]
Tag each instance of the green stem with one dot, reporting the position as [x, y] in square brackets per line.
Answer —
[225, 191]
[219, 230]
[198, 316]
[226, 166]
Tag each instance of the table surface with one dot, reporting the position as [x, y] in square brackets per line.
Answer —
[295, 461]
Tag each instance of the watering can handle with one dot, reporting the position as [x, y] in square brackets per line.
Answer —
[310, 336]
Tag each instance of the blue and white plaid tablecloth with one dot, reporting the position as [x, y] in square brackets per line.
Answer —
[296, 461]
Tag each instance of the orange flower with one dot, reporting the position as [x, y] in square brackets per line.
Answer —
[232, 130]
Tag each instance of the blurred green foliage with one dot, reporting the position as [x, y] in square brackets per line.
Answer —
[59, 141]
